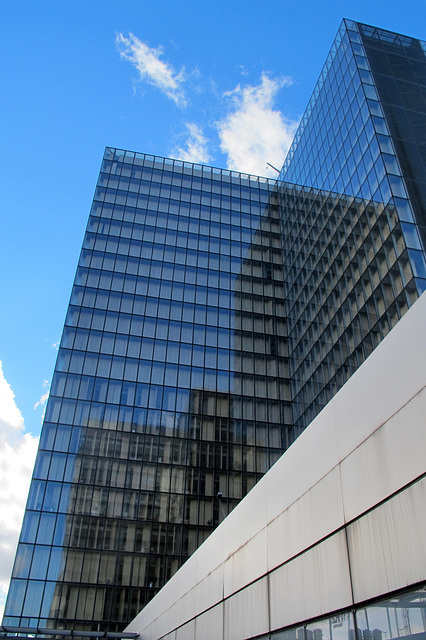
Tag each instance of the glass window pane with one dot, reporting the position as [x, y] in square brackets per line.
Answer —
[15, 597]
[33, 599]
[40, 562]
[23, 561]
[401, 615]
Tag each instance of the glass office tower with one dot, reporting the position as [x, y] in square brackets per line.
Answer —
[213, 315]
[170, 397]
[354, 274]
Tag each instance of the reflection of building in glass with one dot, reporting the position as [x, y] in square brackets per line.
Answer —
[213, 315]
[401, 616]
[350, 279]
[355, 274]
[336, 551]
[152, 411]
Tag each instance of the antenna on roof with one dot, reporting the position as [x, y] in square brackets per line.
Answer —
[272, 167]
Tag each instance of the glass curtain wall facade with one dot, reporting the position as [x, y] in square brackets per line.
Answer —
[213, 315]
[170, 397]
[355, 272]
[349, 280]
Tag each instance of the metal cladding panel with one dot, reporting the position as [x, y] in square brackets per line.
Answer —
[187, 632]
[252, 517]
[209, 625]
[310, 458]
[309, 519]
[383, 384]
[212, 557]
[314, 582]
[387, 546]
[246, 613]
[378, 468]
[210, 590]
[180, 611]
[246, 564]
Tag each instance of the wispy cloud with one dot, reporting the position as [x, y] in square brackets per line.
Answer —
[43, 399]
[254, 133]
[17, 455]
[195, 147]
[151, 69]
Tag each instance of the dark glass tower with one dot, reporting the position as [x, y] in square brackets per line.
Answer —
[354, 273]
[212, 316]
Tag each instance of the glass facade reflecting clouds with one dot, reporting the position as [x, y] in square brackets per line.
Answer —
[171, 388]
[213, 314]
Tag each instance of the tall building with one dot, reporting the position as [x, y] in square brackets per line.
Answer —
[353, 275]
[170, 397]
[213, 315]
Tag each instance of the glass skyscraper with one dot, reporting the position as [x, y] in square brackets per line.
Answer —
[354, 274]
[213, 315]
[170, 396]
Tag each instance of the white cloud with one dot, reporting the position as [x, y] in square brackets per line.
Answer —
[254, 133]
[17, 455]
[42, 400]
[151, 68]
[195, 146]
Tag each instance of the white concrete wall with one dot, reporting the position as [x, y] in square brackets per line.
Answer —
[339, 519]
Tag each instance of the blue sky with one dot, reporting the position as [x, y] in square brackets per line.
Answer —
[222, 82]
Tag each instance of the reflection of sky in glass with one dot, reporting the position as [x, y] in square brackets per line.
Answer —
[172, 311]
[169, 266]
[352, 137]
